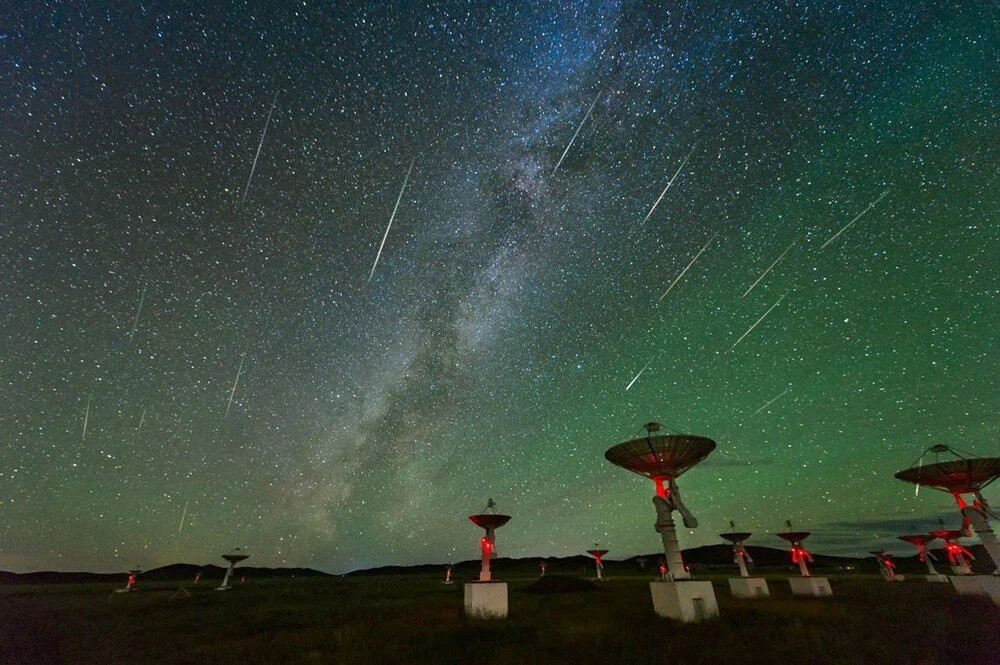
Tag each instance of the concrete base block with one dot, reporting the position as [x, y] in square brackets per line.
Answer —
[898, 578]
[486, 600]
[748, 587]
[685, 601]
[979, 585]
[936, 578]
[817, 587]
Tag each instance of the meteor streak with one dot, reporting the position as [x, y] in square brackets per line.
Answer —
[260, 145]
[183, 515]
[578, 128]
[138, 311]
[757, 322]
[142, 419]
[235, 383]
[859, 216]
[636, 377]
[674, 283]
[391, 218]
[769, 268]
[771, 402]
[664, 192]
[86, 418]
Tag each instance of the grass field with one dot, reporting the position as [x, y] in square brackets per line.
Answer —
[417, 619]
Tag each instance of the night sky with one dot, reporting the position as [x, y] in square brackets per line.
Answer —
[493, 352]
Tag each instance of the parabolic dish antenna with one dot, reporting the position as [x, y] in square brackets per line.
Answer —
[735, 537]
[793, 536]
[490, 520]
[947, 534]
[661, 456]
[918, 539]
[662, 459]
[598, 554]
[924, 556]
[740, 557]
[965, 474]
[233, 557]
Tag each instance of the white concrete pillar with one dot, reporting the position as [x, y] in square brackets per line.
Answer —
[982, 528]
[671, 546]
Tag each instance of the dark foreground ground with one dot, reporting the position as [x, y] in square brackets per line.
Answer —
[419, 620]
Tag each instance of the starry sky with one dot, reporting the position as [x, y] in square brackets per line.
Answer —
[569, 161]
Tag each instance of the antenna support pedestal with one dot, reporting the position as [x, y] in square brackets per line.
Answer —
[671, 546]
[687, 601]
[748, 587]
[817, 587]
[486, 600]
[978, 585]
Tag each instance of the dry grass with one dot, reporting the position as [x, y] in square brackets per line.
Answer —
[417, 619]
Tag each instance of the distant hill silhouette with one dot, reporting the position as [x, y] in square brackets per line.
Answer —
[709, 558]
[175, 571]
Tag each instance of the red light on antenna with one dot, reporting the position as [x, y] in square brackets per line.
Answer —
[800, 554]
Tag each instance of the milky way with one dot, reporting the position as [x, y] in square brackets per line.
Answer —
[513, 301]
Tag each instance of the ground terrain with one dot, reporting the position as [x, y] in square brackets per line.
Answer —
[417, 619]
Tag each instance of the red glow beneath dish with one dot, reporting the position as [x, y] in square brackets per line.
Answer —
[661, 489]
[799, 554]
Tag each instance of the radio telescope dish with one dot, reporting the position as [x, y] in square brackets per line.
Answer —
[741, 557]
[793, 536]
[918, 539]
[946, 534]
[958, 556]
[233, 557]
[924, 556]
[886, 565]
[666, 456]
[490, 520]
[735, 537]
[962, 475]
[598, 554]
[663, 459]
[799, 553]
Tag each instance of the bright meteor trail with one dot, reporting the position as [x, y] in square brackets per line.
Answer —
[769, 268]
[859, 216]
[671, 182]
[756, 323]
[674, 283]
[391, 217]
[636, 377]
[260, 145]
[138, 311]
[86, 419]
[771, 401]
[235, 383]
[578, 128]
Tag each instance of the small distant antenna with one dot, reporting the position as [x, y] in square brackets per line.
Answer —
[233, 557]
